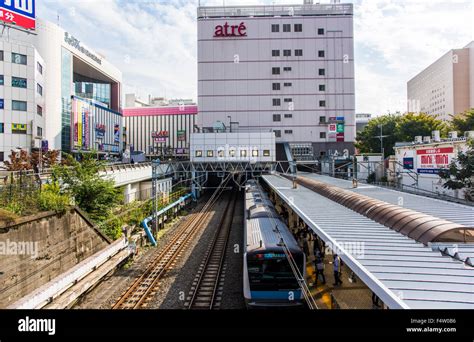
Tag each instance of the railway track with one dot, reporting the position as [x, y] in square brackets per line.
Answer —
[206, 291]
[145, 286]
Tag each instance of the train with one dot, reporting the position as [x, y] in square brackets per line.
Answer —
[269, 280]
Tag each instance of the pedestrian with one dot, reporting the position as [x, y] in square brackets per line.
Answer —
[319, 267]
[375, 300]
[337, 270]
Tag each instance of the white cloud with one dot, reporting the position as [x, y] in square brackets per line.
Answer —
[154, 41]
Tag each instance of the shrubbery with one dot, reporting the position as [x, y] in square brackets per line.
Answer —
[51, 198]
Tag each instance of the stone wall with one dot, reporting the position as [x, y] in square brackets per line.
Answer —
[36, 249]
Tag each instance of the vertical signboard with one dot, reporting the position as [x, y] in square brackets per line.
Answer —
[21, 13]
[117, 133]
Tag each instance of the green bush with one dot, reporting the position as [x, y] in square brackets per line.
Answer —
[50, 198]
[112, 228]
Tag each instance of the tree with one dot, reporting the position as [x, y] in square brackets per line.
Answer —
[460, 174]
[463, 122]
[91, 192]
[367, 141]
[397, 128]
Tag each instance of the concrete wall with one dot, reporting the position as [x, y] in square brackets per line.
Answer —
[52, 244]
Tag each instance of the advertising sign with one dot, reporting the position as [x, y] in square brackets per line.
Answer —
[117, 133]
[100, 131]
[2, 103]
[408, 163]
[160, 136]
[340, 137]
[44, 146]
[340, 128]
[432, 160]
[332, 128]
[181, 135]
[18, 12]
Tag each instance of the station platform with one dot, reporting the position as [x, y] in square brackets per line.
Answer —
[403, 273]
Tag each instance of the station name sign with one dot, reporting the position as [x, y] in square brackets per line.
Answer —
[226, 30]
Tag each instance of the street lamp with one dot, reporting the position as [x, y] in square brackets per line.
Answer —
[230, 122]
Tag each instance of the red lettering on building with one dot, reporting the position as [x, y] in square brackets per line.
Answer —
[227, 30]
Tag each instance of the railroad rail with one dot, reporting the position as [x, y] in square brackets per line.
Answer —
[145, 286]
[206, 291]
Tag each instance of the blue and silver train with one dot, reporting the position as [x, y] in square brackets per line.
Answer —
[269, 280]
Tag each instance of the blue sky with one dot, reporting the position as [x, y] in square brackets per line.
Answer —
[153, 42]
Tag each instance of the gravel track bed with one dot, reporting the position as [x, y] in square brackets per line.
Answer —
[105, 294]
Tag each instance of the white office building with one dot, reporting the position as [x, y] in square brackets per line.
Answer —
[82, 92]
[22, 97]
[446, 86]
[283, 68]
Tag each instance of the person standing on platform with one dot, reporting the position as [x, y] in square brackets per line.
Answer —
[337, 270]
[319, 267]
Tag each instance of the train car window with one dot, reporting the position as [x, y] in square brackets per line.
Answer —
[210, 153]
[221, 153]
[198, 153]
[255, 153]
[266, 153]
[243, 153]
[232, 152]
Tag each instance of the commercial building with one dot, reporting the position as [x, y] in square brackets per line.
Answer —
[75, 72]
[445, 87]
[417, 164]
[160, 131]
[283, 68]
[22, 97]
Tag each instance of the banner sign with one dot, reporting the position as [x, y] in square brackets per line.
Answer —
[181, 135]
[117, 133]
[99, 131]
[408, 163]
[160, 136]
[432, 160]
[340, 128]
[18, 12]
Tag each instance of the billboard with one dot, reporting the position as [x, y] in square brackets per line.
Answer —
[160, 137]
[181, 135]
[21, 13]
[432, 160]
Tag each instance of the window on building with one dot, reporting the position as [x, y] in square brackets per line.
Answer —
[232, 152]
[288, 131]
[275, 28]
[2, 127]
[210, 153]
[322, 119]
[19, 58]
[275, 53]
[286, 27]
[19, 105]
[19, 82]
[321, 72]
[19, 128]
[1, 55]
[2, 80]
[39, 131]
[39, 110]
[266, 153]
[2, 156]
[276, 86]
[277, 133]
[322, 103]
[287, 84]
[298, 27]
[39, 67]
[39, 89]
[198, 153]
[243, 153]
[221, 153]
[254, 153]
[322, 87]
[298, 52]
[287, 53]
[275, 71]
[276, 102]
[321, 53]
[288, 116]
[320, 31]
[276, 117]
[286, 68]
[288, 100]
[322, 135]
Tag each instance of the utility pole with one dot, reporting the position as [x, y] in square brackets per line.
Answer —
[382, 150]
